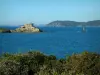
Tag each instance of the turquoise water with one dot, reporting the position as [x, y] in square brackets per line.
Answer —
[59, 41]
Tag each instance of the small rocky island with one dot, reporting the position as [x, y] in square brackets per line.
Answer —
[27, 28]
[24, 28]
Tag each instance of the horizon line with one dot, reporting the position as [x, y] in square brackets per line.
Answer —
[44, 23]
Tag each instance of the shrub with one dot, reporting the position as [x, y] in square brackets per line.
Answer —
[36, 63]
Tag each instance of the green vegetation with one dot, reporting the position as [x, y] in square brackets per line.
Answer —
[37, 63]
[3, 30]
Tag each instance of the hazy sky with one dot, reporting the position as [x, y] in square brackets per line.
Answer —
[15, 12]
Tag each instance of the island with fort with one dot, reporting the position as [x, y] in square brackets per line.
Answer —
[25, 28]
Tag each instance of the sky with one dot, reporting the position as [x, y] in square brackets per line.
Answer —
[17, 12]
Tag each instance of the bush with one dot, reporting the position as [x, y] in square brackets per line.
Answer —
[36, 63]
[86, 63]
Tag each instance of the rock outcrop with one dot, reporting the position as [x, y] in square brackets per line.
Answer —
[27, 28]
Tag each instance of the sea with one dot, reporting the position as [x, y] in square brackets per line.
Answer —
[58, 41]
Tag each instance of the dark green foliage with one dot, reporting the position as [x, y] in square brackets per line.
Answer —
[4, 30]
[36, 63]
[52, 57]
[62, 61]
[85, 63]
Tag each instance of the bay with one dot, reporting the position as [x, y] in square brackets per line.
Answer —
[58, 41]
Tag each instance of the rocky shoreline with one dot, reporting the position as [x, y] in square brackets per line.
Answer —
[25, 28]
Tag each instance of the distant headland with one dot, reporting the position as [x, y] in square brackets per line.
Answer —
[74, 23]
[24, 28]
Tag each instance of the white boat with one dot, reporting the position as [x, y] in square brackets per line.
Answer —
[83, 29]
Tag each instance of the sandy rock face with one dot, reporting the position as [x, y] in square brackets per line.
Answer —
[27, 28]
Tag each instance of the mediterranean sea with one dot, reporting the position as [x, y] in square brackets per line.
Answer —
[58, 41]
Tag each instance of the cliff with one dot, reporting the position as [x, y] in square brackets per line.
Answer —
[74, 23]
[27, 28]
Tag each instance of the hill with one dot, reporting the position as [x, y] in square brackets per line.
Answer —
[74, 23]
